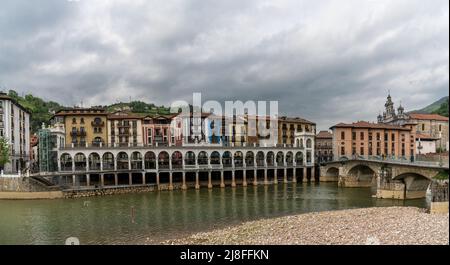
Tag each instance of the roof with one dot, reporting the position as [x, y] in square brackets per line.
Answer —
[425, 137]
[157, 116]
[324, 134]
[295, 119]
[437, 117]
[369, 125]
[83, 111]
[5, 96]
[118, 115]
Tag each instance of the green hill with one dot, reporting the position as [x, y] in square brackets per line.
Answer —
[439, 107]
[42, 111]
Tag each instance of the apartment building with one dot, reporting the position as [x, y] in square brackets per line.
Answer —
[15, 128]
[124, 129]
[83, 126]
[363, 138]
[157, 130]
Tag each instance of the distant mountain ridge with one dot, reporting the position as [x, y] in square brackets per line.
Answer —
[438, 107]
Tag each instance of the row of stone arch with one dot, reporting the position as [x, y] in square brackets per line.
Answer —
[136, 161]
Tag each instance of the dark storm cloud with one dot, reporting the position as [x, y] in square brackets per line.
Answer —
[327, 61]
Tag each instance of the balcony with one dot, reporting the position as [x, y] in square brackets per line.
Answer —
[97, 124]
[81, 133]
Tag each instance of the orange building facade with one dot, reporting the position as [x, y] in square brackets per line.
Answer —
[371, 139]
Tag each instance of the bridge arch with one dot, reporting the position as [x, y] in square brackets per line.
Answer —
[363, 174]
[416, 184]
[332, 172]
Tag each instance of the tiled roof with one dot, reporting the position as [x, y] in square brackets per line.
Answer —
[295, 119]
[324, 134]
[369, 125]
[437, 117]
[83, 111]
[123, 115]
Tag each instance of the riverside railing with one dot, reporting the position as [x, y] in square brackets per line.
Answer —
[173, 145]
[397, 160]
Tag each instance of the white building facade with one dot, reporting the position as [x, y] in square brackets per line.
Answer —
[15, 128]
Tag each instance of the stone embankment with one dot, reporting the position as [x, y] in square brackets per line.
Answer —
[378, 225]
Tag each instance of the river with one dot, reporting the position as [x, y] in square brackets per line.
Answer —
[149, 218]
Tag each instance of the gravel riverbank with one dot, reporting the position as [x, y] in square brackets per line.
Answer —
[378, 225]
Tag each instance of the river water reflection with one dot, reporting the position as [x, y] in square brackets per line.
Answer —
[156, 216]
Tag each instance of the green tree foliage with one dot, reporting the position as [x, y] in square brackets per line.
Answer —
[4, 152]
[41, 111]
[443, 109]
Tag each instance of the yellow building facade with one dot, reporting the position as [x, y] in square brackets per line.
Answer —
[83, 126]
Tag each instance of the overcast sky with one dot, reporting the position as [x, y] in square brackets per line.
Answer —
[326, 61]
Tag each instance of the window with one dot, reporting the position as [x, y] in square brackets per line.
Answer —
[74, 121]
[353, 150]
[342, 150]
[440, 127]
[423, 126]
[342, 135]
[393, 137]
[361, 135]
[353, 136]
[370, 136]
[378, 136]
[361, 151]
[82, 120]
[386, 137]
[149, 135]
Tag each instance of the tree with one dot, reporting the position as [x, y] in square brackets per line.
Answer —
[4, 152]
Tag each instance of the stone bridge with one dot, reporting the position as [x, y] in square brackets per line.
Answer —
[393, 179]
